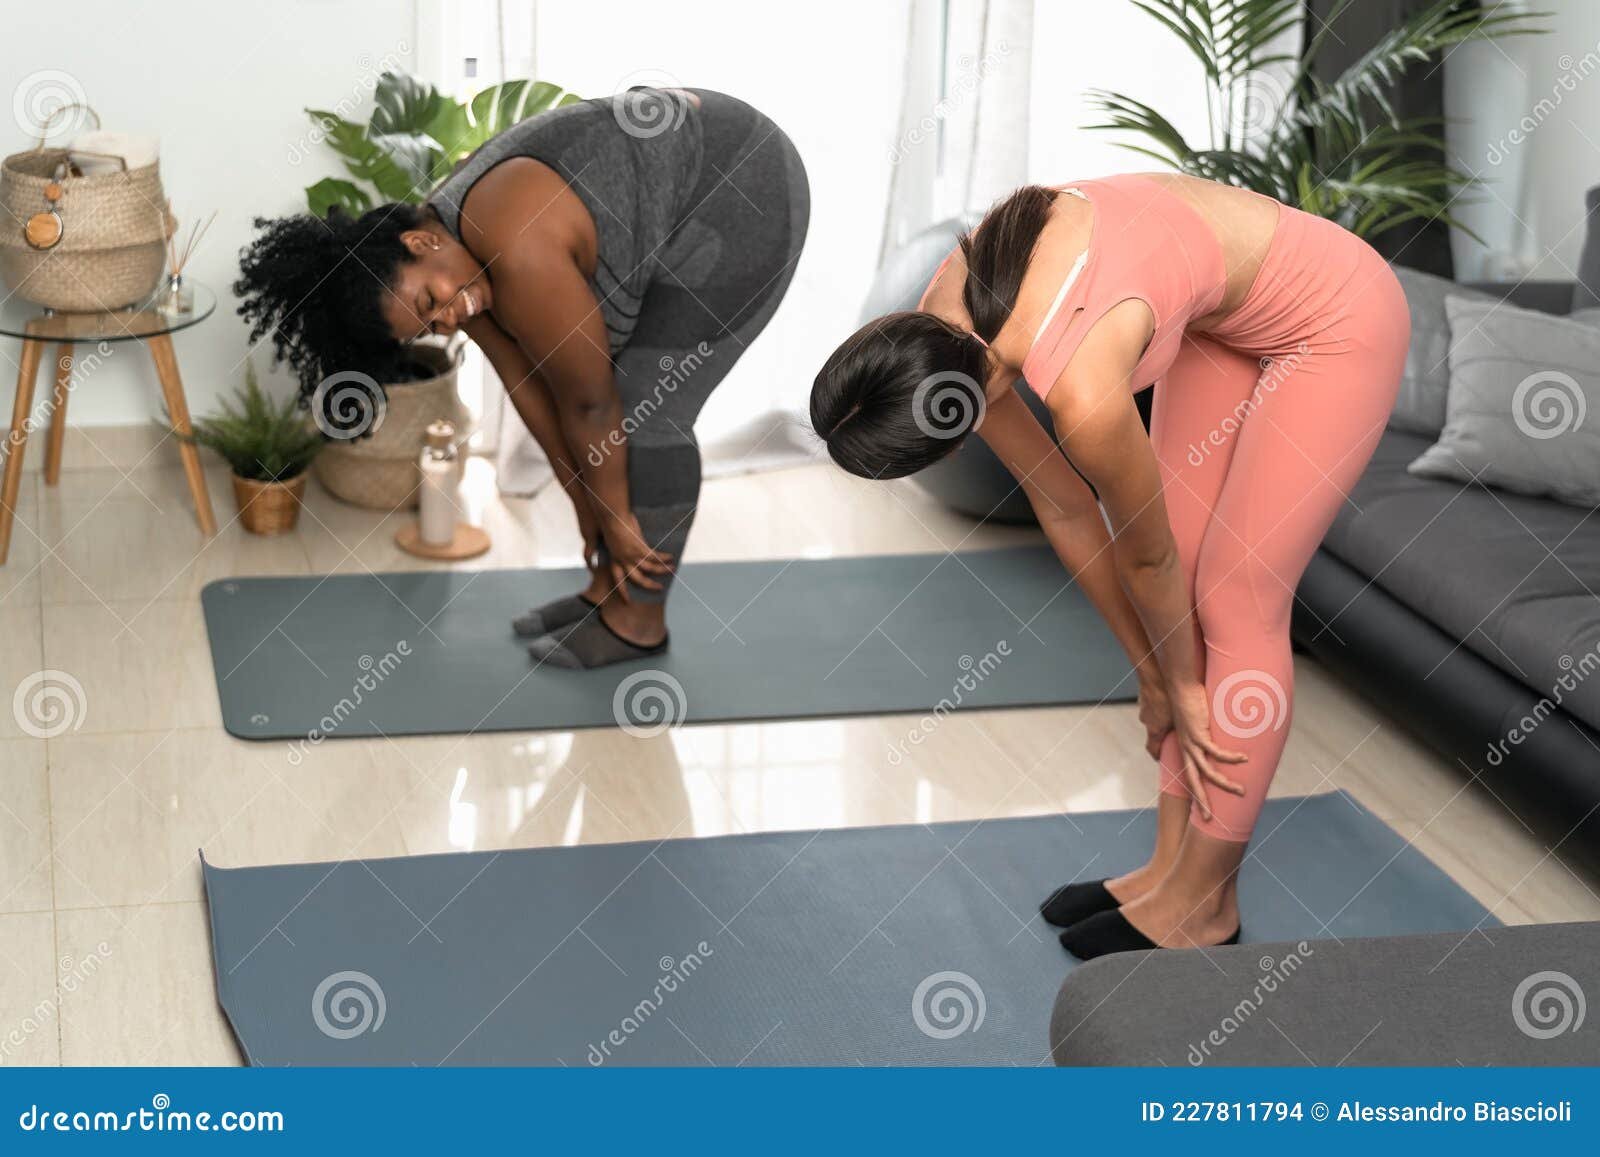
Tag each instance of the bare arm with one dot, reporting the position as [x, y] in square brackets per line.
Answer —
[549, 309]
[1070, 518]
[1101, 432]
[530, 395]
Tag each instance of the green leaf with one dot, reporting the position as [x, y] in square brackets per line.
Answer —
[404, 104]
[331, 191]
[259, 438]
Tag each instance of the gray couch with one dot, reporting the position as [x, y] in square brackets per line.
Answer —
[1489, 996]
[1456, 609]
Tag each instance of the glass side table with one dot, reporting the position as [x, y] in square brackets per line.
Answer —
[146, 322]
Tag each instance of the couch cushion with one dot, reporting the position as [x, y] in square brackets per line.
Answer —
[1522, 387]
[1420, 407]
[1514, 577]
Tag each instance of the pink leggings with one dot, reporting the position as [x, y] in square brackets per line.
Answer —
[1261, 428]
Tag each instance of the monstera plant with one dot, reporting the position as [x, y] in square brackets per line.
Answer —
[415, 136]
[1336, 149]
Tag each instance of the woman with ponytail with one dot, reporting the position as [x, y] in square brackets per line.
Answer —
[1275, 341]
[612, 258]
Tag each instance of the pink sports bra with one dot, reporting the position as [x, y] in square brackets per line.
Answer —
[1146, 243]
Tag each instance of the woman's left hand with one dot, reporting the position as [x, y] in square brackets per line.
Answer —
[1191, 719]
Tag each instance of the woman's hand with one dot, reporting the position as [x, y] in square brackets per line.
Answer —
[1155, 713]
[632, 558]
[1191, 719]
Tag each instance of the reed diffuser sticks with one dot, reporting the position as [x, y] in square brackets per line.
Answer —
[178, 257]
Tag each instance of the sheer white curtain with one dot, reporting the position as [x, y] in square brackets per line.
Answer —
[964, 112]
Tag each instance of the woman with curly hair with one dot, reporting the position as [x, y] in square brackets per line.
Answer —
[612, 259]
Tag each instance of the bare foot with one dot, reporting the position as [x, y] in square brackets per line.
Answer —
[1174, 917]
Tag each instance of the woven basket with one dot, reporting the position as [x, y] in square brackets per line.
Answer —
[380, 472]
[269, 507]
[112, 251]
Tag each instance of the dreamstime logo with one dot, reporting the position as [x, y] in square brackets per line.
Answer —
[1248, 703]
[348, 1004]
[970, 74]
[371, 73]
[948, 404]
[674, 974]
[1573, 72]
[1274, 372]
[647, 703]
[652, 104]
[49, 703]
[1548, 1004]
[1274, 974]
[1259, 102]
[974, 672]
[73, 975]
[674, 372]
[1574, 672]
[373, 674]
[78, 370]
[1548, 404]
[41, 95]
[948, 1004]
[348, 405]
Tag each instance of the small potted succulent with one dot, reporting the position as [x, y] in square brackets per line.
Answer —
[269, 446]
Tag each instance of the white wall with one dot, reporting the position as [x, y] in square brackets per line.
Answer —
[223, 84]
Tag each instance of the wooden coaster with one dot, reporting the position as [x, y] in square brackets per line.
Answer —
[469, 542]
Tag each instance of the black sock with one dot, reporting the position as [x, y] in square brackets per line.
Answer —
[591, 643]
[1107, 932]
[1073, 902]
[552, 616]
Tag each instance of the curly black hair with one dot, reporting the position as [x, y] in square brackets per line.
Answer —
[316, 285]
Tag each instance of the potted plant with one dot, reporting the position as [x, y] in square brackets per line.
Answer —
[415, 136]
[269, 446]
[1337, 150]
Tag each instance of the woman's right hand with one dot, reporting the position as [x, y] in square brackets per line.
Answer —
[1155, 713]
[1191, 721]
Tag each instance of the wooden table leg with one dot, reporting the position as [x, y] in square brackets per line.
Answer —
[21, 417]
[178, 411]
[58, 414]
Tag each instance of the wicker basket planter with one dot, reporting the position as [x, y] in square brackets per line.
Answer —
[113, 246]
[269, 507]
[380, 472]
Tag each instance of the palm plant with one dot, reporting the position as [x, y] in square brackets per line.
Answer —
[1338, 149]
[416, 135]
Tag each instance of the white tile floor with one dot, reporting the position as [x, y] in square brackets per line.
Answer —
[104, 951]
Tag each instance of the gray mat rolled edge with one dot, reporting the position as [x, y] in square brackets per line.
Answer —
[1494, 995]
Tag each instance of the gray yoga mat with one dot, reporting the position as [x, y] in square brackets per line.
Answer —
[432, 652]
[911, 945]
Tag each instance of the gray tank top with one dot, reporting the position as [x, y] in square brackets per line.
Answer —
[634, 161]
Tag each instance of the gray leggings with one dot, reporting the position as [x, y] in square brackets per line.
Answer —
[724, 270]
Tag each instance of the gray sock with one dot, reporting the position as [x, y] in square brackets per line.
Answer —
[589, 644]
[551, 617]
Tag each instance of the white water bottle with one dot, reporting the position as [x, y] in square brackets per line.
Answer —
[441, 481]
